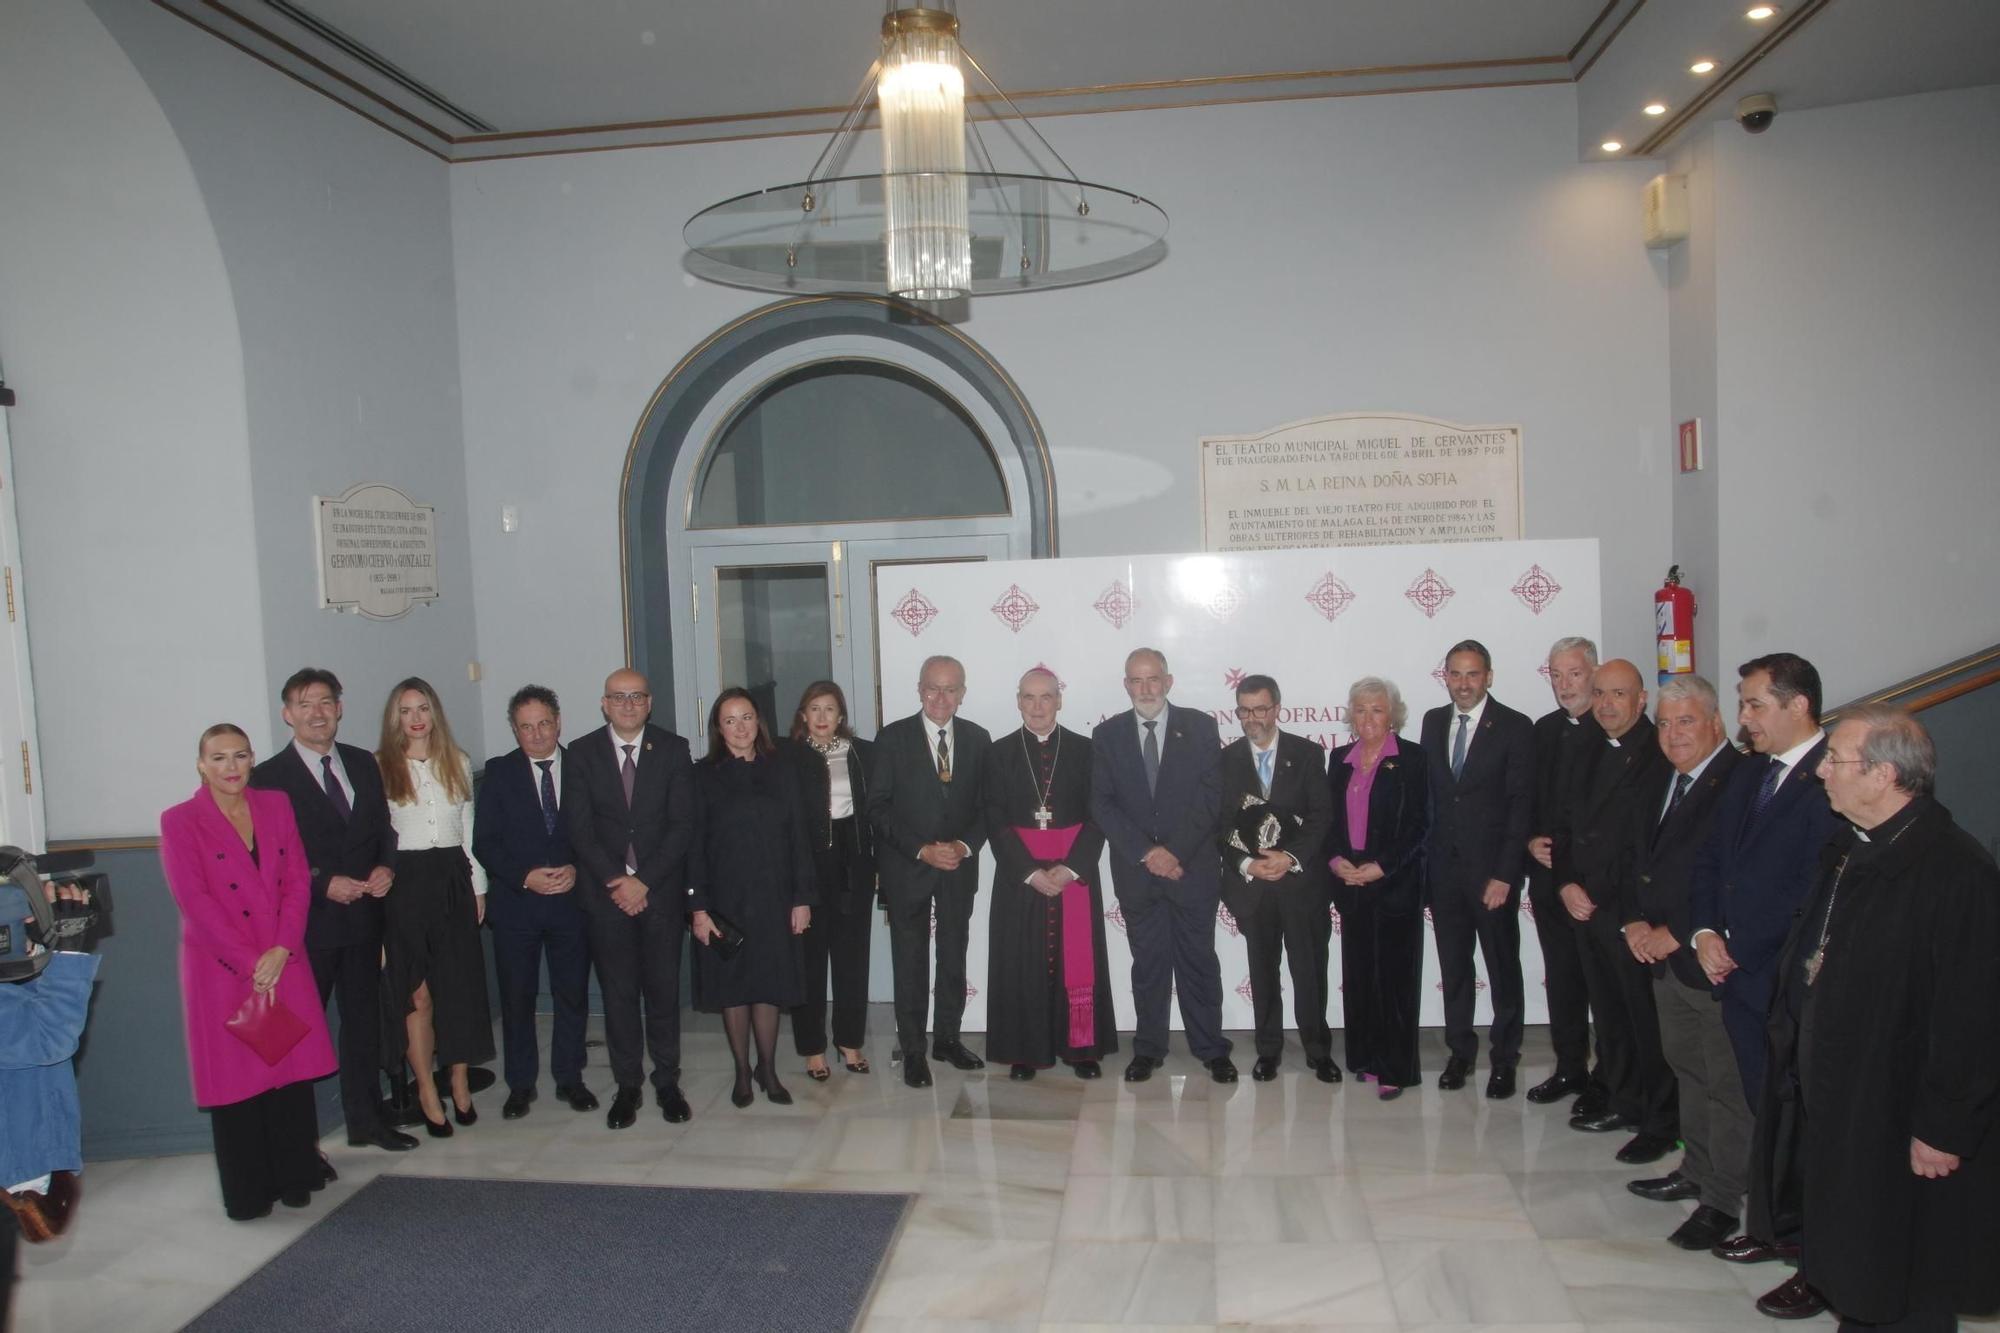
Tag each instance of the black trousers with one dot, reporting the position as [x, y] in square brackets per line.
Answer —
[1631, 1064]
[1382, 983]
[1461, 922]
[266, 1146]
[559, 932]
[1291, 919]
[1562, 968]
[1171, 928]
[352, 975]
[639, 969]
[837, 941]
[910, 954]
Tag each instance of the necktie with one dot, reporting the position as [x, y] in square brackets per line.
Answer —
[1770, 787]
[1152, 755]
[1458, 745]
[1264, 769]
[628, 772]
[334, 791]
[1681, 784]
[549, 795]
[943, 757]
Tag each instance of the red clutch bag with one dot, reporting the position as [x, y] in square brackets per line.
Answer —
[267, 1027]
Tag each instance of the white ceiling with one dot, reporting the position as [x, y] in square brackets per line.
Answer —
[605, 73]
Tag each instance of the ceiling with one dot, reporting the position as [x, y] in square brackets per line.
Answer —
[469, 79]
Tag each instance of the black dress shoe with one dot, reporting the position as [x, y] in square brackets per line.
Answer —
[1500, 1084]
[1325, 1070]
[1088, 1069]
[1453, 1077]
[1020, 1073]
[954, 1054]
[1602, 1123]
[674, 1107]
[1670, 1188]
[1704, 1227]
[624, 1112]
[1646, 1148]
[1140, 1069]
[1595, 1101]
[1792, 1299]
[579, 1097]
[1748, 1249]
[388, 1140]
[1554, 1088]
[916, 1072]
[1265, 1069]
[1222, 1069]
[516, 1104]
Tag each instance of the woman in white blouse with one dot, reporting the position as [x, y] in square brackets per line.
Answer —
[431, 945]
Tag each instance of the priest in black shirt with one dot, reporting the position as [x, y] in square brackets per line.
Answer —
[1048, 979]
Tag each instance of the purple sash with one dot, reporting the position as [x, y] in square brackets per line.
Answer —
[1079, 955]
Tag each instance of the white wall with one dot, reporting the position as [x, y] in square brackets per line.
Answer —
[1858, 371]
[1442, 254]
[131, 446]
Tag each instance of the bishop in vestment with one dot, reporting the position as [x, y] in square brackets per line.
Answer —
[1048, 980]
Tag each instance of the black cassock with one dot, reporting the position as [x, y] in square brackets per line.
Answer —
[1027, 1002]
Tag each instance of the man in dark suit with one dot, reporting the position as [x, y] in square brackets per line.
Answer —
[1757, 867]
[1156, 789]
[1593, 834]
[927, 809]
[1482, 772]
[1280, 896]
[1560, 735]
[628, 805]
[532, 903]
[1670, 824]
[343, 818]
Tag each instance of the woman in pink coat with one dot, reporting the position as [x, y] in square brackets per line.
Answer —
[235, 867]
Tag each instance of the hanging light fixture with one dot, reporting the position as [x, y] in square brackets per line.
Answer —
[940, 220]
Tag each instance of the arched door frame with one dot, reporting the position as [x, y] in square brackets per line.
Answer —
[667, 429]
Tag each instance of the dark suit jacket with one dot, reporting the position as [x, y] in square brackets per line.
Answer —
[509, 839]
[1751, 876]
[659, 826]
[1479, 821]
[333, 847]
[1399, 821]
[909, 806]
[1594, 821]
[815, 791]
[1298, 787]
[1557, 742]
[1660, 883]
[1183, 811]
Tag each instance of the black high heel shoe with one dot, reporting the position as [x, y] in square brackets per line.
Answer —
[774, 1091]
[740, 1096]
[469, 1116]
[437, 1129]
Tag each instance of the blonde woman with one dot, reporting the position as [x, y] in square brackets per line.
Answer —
[432, 948]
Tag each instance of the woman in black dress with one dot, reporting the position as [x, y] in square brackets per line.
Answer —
[1381, 813]
[751, 867]
[831, 764]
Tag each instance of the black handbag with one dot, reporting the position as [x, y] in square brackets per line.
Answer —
[728, 937]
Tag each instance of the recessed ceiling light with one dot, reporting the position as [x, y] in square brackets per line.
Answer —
[1655, 108]
[1758, 13]
[1612, 146]
[1702, 67]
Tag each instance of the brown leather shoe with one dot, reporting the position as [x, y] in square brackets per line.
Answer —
[1793, 1299]
[46, 1216]
[1748, 1249]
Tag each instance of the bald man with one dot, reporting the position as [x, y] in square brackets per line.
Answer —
[1609, 783]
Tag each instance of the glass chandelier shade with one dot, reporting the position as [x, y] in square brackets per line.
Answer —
[928, 237]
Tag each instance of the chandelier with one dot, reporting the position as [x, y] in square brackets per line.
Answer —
[941, 220]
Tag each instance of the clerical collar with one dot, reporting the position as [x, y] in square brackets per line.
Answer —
[1041, 737]
[1887, 831]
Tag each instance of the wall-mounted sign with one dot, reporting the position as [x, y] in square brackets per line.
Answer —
[1361, 479]
[377, 551]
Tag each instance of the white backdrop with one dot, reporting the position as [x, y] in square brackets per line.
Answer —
[1316, 620]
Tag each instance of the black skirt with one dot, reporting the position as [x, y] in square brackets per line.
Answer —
[431, 935]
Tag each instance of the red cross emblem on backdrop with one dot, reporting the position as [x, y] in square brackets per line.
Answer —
[1226, 919]
[970, 990]
[1536, 589]
[1330, 596]
[1116, 916]
[1527, 908]
[1232, 678]
[1243, 989]
[1334, 912]
[1226, 602]
[1116, 604]
[1015, 608]
[1544, 672]
[933, 920]
[1437, 673]
[914, 612]
[1428, 592]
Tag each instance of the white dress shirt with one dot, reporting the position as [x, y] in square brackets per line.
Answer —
[312, 758]
[433, 819]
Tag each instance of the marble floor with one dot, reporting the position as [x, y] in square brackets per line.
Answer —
[1053, 1204]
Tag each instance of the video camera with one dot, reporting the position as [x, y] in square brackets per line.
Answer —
[32, 927]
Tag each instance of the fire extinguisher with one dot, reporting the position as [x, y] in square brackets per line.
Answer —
[1673, 610]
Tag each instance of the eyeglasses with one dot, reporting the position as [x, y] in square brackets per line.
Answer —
[629, 697]
[1261, 712]
[1829, 759]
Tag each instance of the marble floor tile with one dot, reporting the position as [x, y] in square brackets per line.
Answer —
[1442, 1206]
[1141, 1148]
[1620, 1281]
[1023, 1152]
[1293, 1284]
[1581, 1205]
[1291, 1209]
[1131, 1282]
[1139, 1208]
[968, 1208]
[1055, 1095]
[934, 1277]
[1490, 1281]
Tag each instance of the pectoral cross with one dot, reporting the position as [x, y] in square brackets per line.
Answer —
[1042, 816]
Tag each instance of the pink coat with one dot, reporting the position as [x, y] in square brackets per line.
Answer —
[233, 910]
